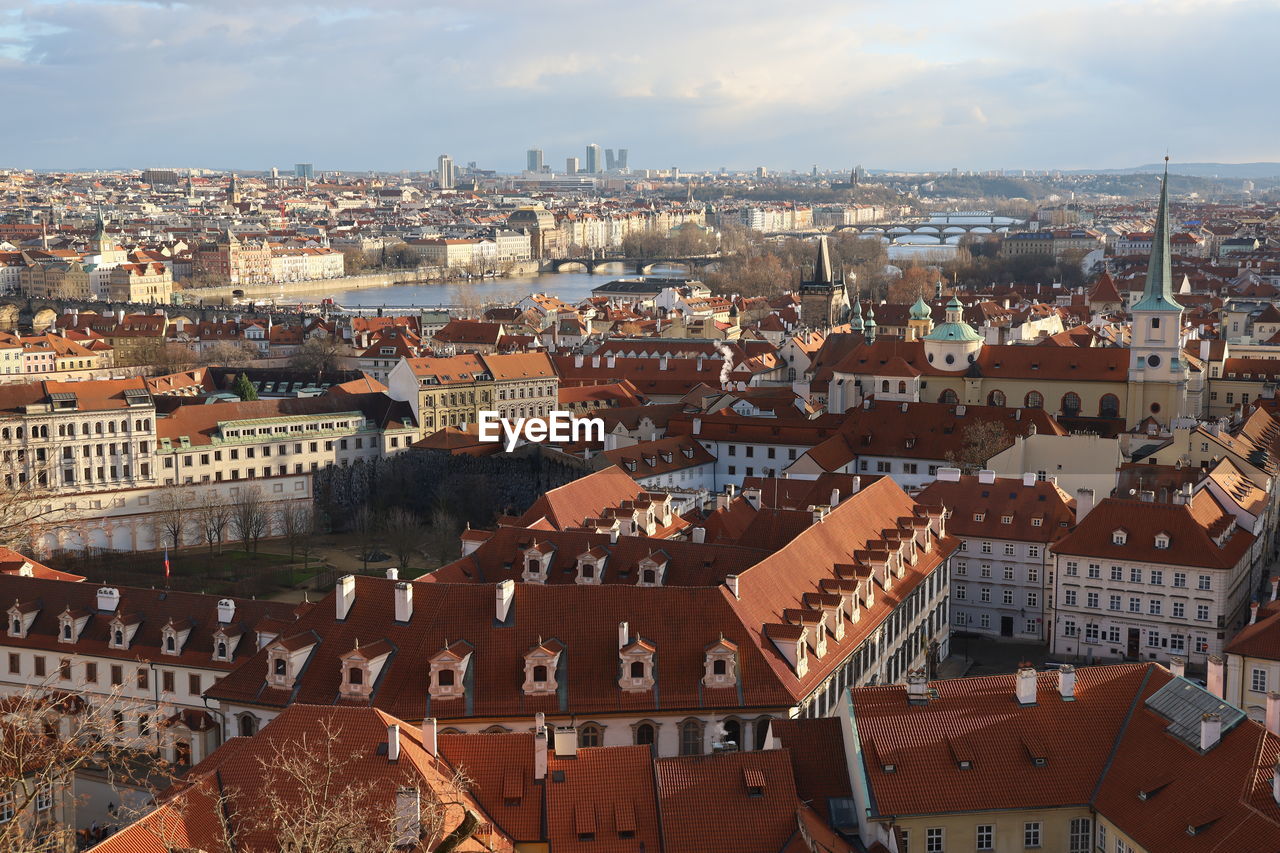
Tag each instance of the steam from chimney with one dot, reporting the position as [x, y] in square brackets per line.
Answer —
[726, 370]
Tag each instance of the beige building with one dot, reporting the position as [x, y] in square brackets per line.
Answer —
[149, 282]
[452, 391]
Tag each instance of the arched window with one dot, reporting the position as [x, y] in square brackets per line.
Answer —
[248, 725]
[733, 732]
[884, 387]
[1071, 404]
[691, 737]
[1034, 400]
[762, 732]
[949, 397]
[637, 669]
[17, 626]
[280, 667]
[1109, 406]
[589, 735]
[355, 675]
[996, 398]
[66, 630]
[119, 638]
[902, 387]
[539, 673]
[169, 644]
[222, 651]
[445, 678]
[644, 734]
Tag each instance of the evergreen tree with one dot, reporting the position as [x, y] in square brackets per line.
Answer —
[244, 389]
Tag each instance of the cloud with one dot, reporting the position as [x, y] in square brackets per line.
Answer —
[388, 85]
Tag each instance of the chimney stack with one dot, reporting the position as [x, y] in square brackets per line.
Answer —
[1273, 713]
[404, 601]
[855, 487]
[917, 687]
[1214, 679]
[624, 637]
[1275, 586]
[1029, 478]
[226, 610]
[393, 574]
[1210, 731]
[566, 742]
[1178, 666]
[344, 595]
[393, 742]
[699, 535]
[1253, 612]
[1084, 503]
[540, 754]
[731, 581]
[986, 476]
[1067, 683]
[429, 733]
[835, 497]
[949, 475]
[1025, 684]
[108, 599]
[504, 593]
[752, 496]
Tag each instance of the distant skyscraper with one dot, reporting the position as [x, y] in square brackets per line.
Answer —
[814, 173]
[593, 159]
[533, 160]
[445, 171]
[571, 165]
[761, 171]
[622, 159]
[610, 162]
[304, 170]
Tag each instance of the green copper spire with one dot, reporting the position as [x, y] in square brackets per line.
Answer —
[855, 315]
[1157, 295]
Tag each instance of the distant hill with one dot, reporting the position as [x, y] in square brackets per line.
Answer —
[1239, 171]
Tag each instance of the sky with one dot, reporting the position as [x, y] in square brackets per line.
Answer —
[698, 84]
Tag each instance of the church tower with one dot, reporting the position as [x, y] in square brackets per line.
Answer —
[1158, 373]
[102, 244]
[921, 321]
[233, 191]
[823, 298]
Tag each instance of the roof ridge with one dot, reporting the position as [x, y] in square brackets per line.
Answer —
[1120, 733]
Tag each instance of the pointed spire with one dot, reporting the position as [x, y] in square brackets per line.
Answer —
[823, 272]
[1157, 295]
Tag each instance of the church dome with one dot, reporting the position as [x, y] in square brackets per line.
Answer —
[920, 310]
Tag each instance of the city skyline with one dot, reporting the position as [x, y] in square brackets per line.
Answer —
[845, 84]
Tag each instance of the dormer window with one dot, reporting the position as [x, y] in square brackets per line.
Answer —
[174, 637]
[20, 618]
[537, 562]
[361, 667]
[122, 629]
[591, 566]
[720, 665]
[636, 659]
[225, 640]
[220, 651]
[653, 570]
[1119, 537]
[979, 516]
[285, 659]
[540, 665]
[449, 670]
[1162, 541]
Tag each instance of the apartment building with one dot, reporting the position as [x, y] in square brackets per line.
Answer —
[454, 390]
[1141, 580]
[1000, 573]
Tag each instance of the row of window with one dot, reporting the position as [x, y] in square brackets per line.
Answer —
[749, 451]
[116, 674]
[67, 430]
[1080, 834]
[1175, 643]
[1116, 603]
[1030, 599]
[1155, 577]
[1029, 626]
[1009, 573]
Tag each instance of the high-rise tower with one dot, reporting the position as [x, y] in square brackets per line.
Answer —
[533, 160]
[444, 169]
[592, 162]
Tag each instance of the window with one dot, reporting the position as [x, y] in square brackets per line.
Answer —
[1157, 577]
[1102, 838]
[644, 734]
[1135, 605]
[39, 661]
[985, 594]
[1034, 400]
[1073, 568]
[1135, 575]
[986, 547]
[1202, 612]
[1180, 610]
[15, 664]
[1119, 537]
[1069, 597]
[1031, 834]
[985, 570]
[44, 797]
[117, 675]
[166, 682]
[1180, 579]
[6, 807]
[1113, 603]
[91, 673]
[985, 837]
[1091, 599]
[1258, 684]
[1154, 606]
[904, 841]
[588, 735]
[962, 593]
[933, 840]
[1007, 597]
[1081, 835]
[1117, 573]
[1033, 599]
[1206, 582]
[193, 684]
[691, 737]
[1008, 573]
[1033, 574]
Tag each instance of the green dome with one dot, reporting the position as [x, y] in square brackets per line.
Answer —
[953, 332]
[920, 311]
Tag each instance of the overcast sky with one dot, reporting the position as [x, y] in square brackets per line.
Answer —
[249, 84]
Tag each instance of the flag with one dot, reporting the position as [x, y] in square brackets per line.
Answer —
[166, 562]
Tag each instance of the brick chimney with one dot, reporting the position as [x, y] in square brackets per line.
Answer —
[917, 687]
[540, 754]
[1067, 683]
[393, 742]
[429, 735]
[504, 593]
[344, 595]
[1178, 666]
[404, 602]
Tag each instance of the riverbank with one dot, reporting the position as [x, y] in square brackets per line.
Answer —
[326, 287]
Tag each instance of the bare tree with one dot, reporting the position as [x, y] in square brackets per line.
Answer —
[230, 353]
[214, 516]
[979, 441]
[175, 509]
[297, 524]
[318, 354]
[250, 520]
[26, 507]
[366, 525]
[405, 535]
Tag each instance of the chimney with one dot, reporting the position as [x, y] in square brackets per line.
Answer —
[344, 595]
[1147, 496]
[624, 637]
[429, 732]
[835, 497]
[1178, 666]
[731, 581]
[1210, 731]
[960, 410]
[540, 754]
[986, 476]
[855, 486]
[1275, 586]
[613, 535]
[699, 535]
[595, 361]
[226, 610]
[1253, 613]
[1028, 479]
[697, 426]
[393, 574]
[949, 475]
[1084, 503]
[108, 599]
[1214, 679]
[1273, 713]
[1025, 684]
[566, 742]
[393, 742]
[404, 601]
[1275, 782]
[504, 593]
[577, 360]
[917, 687]
[1067, 683]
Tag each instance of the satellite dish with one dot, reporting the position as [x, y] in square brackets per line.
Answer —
[1133, 491]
